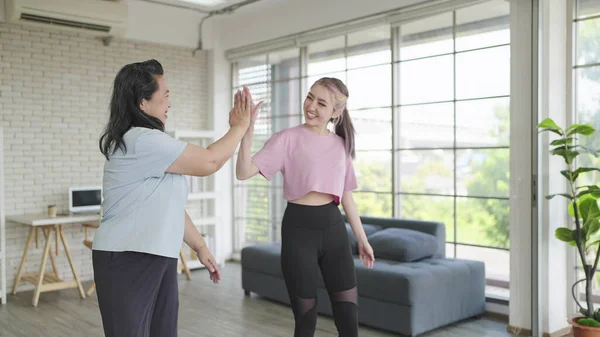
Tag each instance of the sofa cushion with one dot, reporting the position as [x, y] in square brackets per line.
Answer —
[426, 281]
[403, 245]
[263, 258]
[369, 229]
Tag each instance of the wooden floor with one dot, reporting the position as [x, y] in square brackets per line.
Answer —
[205, 310]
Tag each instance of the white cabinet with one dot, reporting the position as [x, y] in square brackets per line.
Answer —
[202, 201]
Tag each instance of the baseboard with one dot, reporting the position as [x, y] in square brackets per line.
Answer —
[562, 332]
[497, 316]
[516, 331]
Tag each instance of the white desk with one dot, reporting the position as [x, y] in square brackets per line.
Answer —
[47, 282]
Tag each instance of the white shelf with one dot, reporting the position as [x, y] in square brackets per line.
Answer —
[201, 196]
[194, 134]
[203, 191]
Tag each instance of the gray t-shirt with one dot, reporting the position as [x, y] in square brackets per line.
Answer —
[143, 207]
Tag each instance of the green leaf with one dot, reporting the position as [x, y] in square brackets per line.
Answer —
[548, 123]
[592, 191]
[581, 198]
[593, 240]
[566, 153]
[566, 195]
[580, 170]
[589, 209]
[593, 227]
[588, 322]
[586, 169]
[566, 174]
[570, 148]
[590, 214]
[565, 234]
[571, 210]
[562, 141]
[558, 132]
[585, 130]
[586, 230]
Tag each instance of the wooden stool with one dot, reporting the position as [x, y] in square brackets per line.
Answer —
[88, 243]
[183, 266]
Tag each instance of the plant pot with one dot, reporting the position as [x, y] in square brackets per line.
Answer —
[583, 330]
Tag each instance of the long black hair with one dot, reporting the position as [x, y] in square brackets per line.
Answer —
[134, 82]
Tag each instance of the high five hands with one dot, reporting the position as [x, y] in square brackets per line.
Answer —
[244, 111]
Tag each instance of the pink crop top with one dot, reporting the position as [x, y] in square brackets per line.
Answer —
[308, 162]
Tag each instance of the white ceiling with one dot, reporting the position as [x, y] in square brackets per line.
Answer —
[202, 5]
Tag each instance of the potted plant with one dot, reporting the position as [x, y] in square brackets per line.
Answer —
[583, 207]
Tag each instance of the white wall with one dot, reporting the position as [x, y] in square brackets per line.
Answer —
[156, 23]
[2, 11]
[521, 99]
[553, 100]
[54, 95]
[555, 290]
[269, 19]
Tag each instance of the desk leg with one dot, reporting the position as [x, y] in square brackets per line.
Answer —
[68, 253]
[32, 230]
[91, 290]
[48, 236]
[56, 232]
[185, 268]
[38, 287]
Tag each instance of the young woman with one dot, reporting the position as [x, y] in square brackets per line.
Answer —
[318, 175]
[144, 222]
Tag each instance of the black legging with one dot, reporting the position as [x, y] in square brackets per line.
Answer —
[315, 237]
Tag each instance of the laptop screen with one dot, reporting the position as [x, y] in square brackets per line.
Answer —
[87, 198]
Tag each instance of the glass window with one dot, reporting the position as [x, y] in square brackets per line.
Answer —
[440, 150]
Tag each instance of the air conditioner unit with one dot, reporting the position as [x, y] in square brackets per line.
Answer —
[97, 17]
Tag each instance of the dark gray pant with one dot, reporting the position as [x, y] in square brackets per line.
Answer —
[137, 294]
[314, 239]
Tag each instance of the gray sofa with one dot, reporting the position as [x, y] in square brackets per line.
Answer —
[411, 289]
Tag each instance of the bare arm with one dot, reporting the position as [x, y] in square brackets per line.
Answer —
[194, 239]
[191, 235]
[245, 168]
[353, 217]
[365, 252]
[199, 161]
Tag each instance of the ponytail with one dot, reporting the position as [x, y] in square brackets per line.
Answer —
[345, 129]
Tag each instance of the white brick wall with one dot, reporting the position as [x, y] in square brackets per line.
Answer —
[54, 94]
